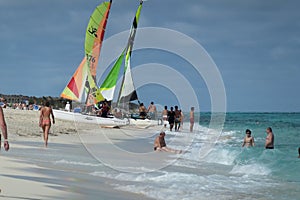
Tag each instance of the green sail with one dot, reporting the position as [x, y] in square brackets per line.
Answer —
[108, 86]
[128, 92]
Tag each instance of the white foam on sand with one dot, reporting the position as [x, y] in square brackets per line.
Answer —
[66, 162]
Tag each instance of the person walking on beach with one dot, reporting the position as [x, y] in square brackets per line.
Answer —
[181, 119]
[177, 118]
[269, 139]
[248, 140]
[171, 118]
[45, 121]
[152, 110]
[192, 119]
[4, 130]
[165, 116]
[160, 144]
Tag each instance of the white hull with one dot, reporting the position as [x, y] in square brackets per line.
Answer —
[78, 117]
[144, 123]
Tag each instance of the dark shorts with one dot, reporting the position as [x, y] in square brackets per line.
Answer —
[269, 147]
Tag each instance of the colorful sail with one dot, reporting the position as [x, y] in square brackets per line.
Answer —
[75, 88]
[109, 85]
[94, 35]
[94, 93]
[82, 86]
[128, 92]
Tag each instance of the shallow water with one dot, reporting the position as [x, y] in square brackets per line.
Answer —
[226, 171]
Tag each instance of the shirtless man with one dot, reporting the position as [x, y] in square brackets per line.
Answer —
[45, 121]
[248, 140]
[152, 110]
[143, 111]
[269, 139]
[160, 144]
[171, 118]
[192, 119]
[165, 116]
[177, 118]
[3, 129]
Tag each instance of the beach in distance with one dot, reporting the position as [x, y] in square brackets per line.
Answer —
[84, 161]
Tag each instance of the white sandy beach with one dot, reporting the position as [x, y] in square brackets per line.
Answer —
[29, 171]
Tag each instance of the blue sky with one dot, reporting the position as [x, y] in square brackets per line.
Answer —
[255, 45]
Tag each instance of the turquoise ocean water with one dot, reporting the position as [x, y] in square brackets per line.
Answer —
[228, 171]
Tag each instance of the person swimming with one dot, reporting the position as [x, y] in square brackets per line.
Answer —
[248, 140]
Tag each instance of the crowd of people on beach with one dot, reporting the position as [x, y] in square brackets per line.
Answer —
[173, 118]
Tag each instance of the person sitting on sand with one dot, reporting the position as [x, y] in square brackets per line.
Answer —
[160, 144]
[248, 140]
[45, 121]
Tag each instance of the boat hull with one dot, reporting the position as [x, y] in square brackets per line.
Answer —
[81, 118]
[144, 123]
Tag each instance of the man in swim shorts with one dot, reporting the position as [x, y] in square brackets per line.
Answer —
[192, 119]
[269, 139]
[165, 116]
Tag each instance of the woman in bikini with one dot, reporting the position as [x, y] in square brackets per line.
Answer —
[45, 121]
[248, 140]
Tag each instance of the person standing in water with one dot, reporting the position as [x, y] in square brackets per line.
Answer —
[165, 116]
[269, 139]
[248, 140]
[192, 119]
[171, 118]
[177, 118]
[181, 119]
[45, 121]
[152, 111]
